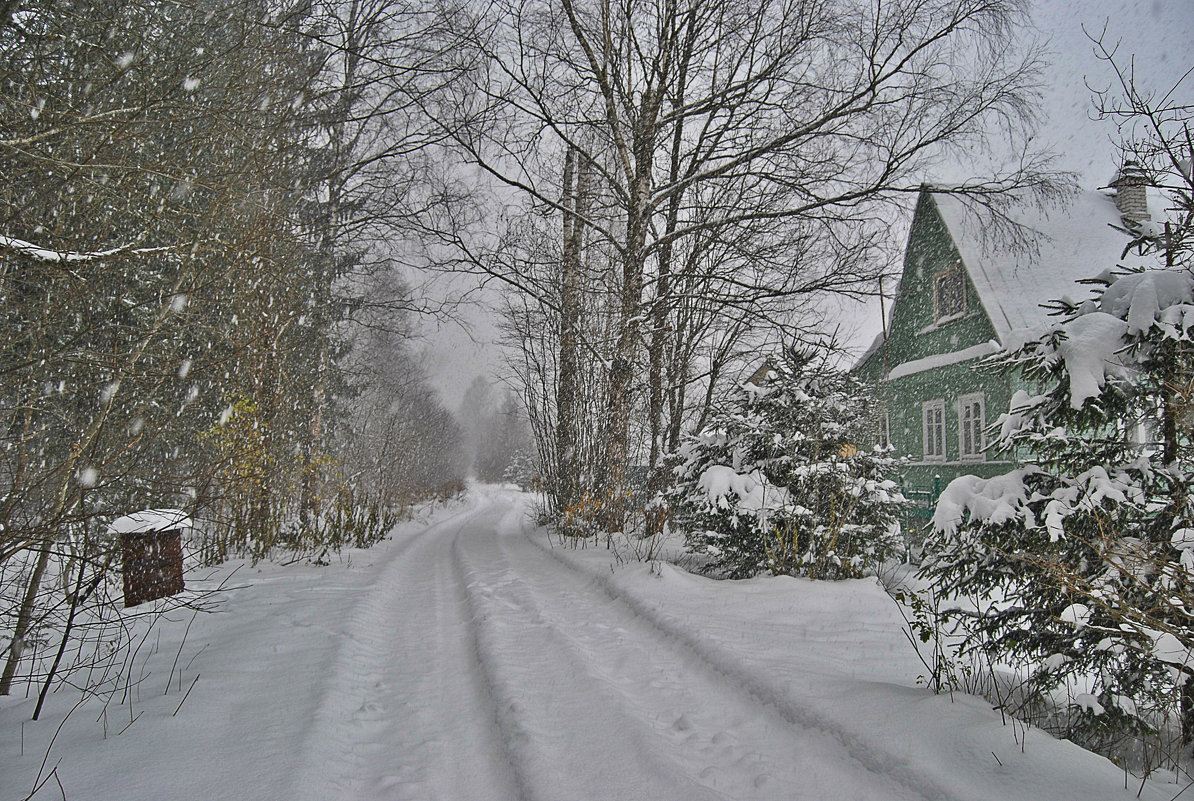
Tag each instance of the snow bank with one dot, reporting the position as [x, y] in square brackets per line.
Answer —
[831, 657]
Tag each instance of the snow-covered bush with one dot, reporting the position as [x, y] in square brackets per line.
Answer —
[522, 471]
[1082, 560]
[782, 480]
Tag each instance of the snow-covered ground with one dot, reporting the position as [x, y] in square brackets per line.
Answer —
[468, 658]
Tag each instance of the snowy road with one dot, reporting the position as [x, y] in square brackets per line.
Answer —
[468, 659]
[503, 673]
[485, 665]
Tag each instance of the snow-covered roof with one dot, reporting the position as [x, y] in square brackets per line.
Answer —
[150, 520]
[1068, 242]
[876, 343]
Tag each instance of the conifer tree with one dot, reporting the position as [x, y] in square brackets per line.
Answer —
[781, 480]
[1081, 561]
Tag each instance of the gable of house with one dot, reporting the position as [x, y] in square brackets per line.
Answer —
[937, 309]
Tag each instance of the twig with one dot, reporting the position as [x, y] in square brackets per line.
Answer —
[50, 747]
[184, 698]
[196, 656]
[181, 645]
[997, 759]
[37, 787]
[131, 722]
[70, 621]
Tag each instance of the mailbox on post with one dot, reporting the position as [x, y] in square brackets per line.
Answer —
[151, 552]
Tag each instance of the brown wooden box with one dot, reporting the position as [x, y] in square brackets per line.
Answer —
[152, 565]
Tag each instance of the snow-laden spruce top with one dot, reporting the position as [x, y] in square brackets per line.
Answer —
[1163, 297]
[1070, 242]
[150, 520]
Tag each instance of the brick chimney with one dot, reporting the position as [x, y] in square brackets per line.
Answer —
[1130, 196]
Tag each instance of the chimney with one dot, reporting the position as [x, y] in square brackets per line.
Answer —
[1130, 196]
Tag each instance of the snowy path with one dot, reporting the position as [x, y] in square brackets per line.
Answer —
[473, 631]
[594, 695]
[485, 666]
[404, 714]
[467, 659]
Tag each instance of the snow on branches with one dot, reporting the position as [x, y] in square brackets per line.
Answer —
[1081, 561]
[781, 482]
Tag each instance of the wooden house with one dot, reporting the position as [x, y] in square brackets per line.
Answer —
[962, 296]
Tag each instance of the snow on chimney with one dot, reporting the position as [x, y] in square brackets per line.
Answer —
[1130, 196]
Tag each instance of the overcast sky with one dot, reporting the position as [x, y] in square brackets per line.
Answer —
[1158, 32]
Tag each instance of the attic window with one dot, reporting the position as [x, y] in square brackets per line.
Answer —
[949, 294]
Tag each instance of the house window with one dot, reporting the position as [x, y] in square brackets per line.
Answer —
[883, 440]
[934, 430]
[949, 294]
[970, 426]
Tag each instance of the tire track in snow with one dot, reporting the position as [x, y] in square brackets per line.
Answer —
[742, 680]
[383, 728]
[703, 722]
[565, 732]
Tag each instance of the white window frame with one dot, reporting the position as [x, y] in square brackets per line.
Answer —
[932, 415]
[970, 429]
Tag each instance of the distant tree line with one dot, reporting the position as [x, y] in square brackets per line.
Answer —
[497, 434]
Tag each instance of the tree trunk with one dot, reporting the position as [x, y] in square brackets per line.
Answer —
[1172, 409]
[24, 618]
[616, 459]
[567, 481]
[656, 512]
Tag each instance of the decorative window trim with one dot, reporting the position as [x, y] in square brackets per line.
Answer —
[932, 416]
[970, 427]
[941, 312]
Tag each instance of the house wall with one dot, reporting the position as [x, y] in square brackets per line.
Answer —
[914, 334]
[905, 398]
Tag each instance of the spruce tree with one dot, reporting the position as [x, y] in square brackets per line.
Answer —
[1081, 561]
[782, 481]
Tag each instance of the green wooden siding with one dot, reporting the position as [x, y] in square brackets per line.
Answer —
[914, 334]
[904, 399]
